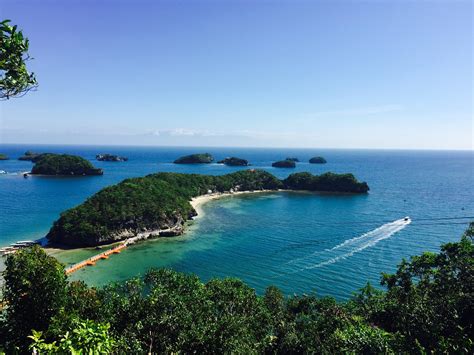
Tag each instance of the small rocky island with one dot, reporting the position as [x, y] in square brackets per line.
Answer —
[31, 156]
[3, 157]
[296, 160]
[159, 204]
[233, 161]
[63, 165]
[204, 158]
[284, 164]
[318, 160]
[110, 157]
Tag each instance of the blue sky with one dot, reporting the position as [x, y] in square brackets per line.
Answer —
[342, 74]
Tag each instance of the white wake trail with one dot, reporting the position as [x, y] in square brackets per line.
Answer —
[352, 246]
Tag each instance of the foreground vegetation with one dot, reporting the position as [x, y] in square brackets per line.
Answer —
[427, 307]
[63, 164]
[160, 201]
[15, 80]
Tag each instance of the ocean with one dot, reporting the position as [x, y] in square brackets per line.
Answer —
[327, 244]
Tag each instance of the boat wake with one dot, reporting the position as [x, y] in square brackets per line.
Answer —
[349, 247]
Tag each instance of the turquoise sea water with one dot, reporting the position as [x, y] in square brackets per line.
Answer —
[301, 242]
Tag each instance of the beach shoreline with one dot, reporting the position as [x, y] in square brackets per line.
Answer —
[199, 201]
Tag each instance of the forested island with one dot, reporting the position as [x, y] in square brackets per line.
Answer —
[64, 165]
[426, 308]
[110, 157]
[4, 157]
[162, 201]
[234, 161]
[204, 158]
[284, 164]
[318, 160]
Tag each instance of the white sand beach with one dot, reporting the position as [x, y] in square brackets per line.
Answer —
[199, 201]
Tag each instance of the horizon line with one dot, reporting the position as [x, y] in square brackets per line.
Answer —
[237, 147]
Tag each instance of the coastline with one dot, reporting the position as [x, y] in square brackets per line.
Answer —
[199, 201]
[196, 202]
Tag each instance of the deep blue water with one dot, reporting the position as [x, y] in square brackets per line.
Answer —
[292, 240]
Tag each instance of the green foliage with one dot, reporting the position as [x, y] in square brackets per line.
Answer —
[34, 292]
[358, 337]
[233, 161]
[426, 309]
[3, 157]
[86, 337]
[204, 158]
[62, 164]
[326, 182]
[15, 80]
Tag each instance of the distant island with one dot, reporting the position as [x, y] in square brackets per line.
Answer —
[63, 164]
[31, 156]
[284, 164]
[204, 158]
[296, 160]
[318, 160]
[159, 204]
[233, 161]
[3, 157]
[110, 157]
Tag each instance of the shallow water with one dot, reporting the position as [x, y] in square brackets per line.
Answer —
[301, 242]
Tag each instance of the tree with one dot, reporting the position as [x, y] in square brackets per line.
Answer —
[34, 292]
[15, 80]
[86, 337]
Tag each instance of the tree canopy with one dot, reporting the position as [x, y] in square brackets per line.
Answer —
[15, 79]
[62, 164]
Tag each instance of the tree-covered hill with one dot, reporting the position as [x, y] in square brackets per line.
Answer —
[161, 201]
[318, 160]
[234, 161]
[204, 158]
[63, 164]
[284, 164]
